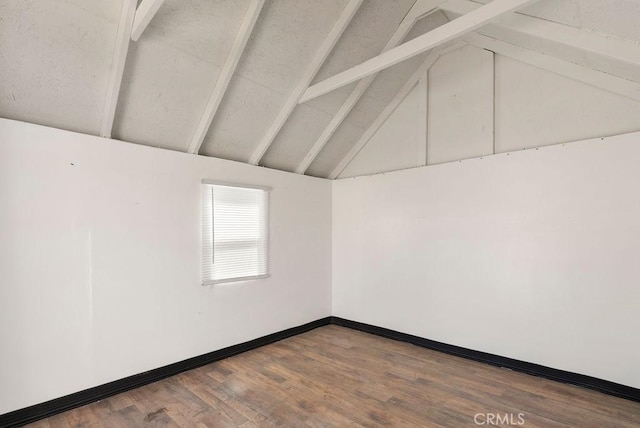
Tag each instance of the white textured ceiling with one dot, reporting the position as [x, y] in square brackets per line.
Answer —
[283, 42]
[614, 17]
[369, 31]
[56, 57]
[171, 69]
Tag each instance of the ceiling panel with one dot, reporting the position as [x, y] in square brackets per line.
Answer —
[367, 34]
[614, 17]
[571, 54]
[283, 42]
[244, 115]
[296, 137]
[395, 145]
[161, 101]
[204, 29]
[171, 70]
[54, 67]
[346, 135]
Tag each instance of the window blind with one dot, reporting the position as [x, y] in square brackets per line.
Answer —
[235, 238]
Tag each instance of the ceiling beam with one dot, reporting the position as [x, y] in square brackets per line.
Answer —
[449, 31]
[423, 119]
[419, 9]
[617, 56]
[229, 67]
[616, 85]
[146, 11]
[321, 55]
[390, 108]
[117, 66]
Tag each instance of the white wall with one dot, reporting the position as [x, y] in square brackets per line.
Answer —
[460, 106]
[100, 268]
[531, 255]
[528, 107]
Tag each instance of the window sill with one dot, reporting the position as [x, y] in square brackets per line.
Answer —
[230, 281]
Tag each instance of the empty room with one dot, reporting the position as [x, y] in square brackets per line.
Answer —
[319, 213]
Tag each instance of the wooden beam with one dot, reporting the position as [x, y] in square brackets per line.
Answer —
[616, 85]
[423, 116]
[229, 67]
[117, 66]
[419, 9]
[321, 55]
[390, 108]
[146, 11]
[430, 40]
[612, 54]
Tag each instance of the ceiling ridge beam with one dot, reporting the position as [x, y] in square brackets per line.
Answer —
[321, 55]
[598, 79]
[409, 84]
[123, 36]
[613, 49]
[144, 14]
[419, 10]
[449, 31]
[228, 69]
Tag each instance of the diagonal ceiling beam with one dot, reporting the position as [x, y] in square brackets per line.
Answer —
[321, 55]
[146, 11]
[609, 54]
[419, 9]
[220, 88]
[117, 66]
[430, 40]
[598, 79]
[391, 107]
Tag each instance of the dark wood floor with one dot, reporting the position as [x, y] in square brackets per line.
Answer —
[333, 376]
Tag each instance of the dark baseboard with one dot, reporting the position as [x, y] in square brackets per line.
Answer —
[43, 410]
[585, 381]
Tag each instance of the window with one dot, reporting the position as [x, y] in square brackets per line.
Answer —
[235, 233]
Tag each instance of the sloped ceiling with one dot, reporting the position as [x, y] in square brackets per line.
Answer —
[172, 68]
[614, 17]
[54, 61]
[56, 58]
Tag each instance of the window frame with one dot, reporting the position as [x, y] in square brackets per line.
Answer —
[267, 218]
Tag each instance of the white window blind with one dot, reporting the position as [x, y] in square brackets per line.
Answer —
[235, 235]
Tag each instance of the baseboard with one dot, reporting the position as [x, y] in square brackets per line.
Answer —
[43, 410]
[585, 381]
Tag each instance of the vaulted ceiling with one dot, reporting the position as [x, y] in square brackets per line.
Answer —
[286, 84]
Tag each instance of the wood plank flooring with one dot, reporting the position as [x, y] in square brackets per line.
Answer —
[334, 377]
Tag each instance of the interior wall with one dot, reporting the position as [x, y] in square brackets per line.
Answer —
[460, 123]
[532, 108]
[530, 255]
[100, 261]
